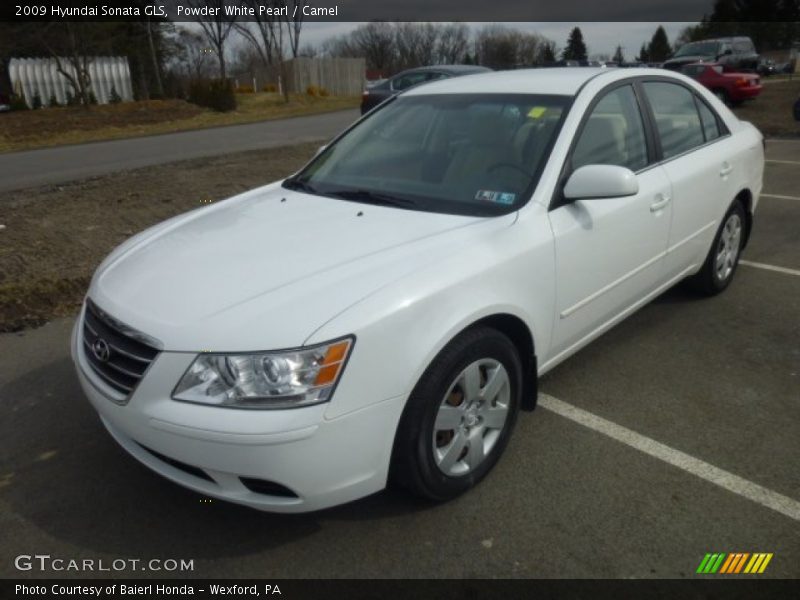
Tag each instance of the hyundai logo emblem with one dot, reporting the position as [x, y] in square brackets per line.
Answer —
[101, 350]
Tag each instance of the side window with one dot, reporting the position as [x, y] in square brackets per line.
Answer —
[709, 121]
[613, 134]
[406, 81]
[434, 75]
[677, 120]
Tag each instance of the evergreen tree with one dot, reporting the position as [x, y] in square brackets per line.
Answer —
[547, 53]
[618, 57]
[576, 48]
[643, 55]
[659, 49]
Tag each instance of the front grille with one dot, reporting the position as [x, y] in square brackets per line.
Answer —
[114, 354]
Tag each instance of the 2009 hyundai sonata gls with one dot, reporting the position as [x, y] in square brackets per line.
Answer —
[382, 315]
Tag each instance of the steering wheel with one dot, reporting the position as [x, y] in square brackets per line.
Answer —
[508, 165]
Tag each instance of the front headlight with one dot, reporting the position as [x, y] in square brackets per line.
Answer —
[282, 379]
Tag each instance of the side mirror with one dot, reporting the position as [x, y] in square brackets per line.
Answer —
[601, 181]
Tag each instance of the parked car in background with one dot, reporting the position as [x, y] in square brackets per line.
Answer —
[733, 53]
[383, 314]
[404, 80]
[731, 88]
[767, 67]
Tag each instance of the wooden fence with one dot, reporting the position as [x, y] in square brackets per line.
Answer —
[340, 76]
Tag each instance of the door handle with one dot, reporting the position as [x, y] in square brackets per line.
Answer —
[661, 201]
[725, 170]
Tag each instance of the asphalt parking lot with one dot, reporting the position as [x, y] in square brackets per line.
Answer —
[674, 435]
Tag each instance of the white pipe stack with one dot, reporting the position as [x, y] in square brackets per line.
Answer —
[40, 75]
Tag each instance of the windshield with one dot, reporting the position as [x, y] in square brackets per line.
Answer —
[698, 49]
[477, 154]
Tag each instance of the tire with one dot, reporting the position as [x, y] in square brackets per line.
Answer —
[723, 96]
[720, 265]
[436, 462]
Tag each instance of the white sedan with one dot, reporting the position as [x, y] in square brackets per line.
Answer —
[382, 315]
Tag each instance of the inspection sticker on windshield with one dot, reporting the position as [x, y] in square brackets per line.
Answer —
[496, 197]
[536, 112]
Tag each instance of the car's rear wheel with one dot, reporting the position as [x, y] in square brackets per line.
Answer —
[459, 416]
[723, 257]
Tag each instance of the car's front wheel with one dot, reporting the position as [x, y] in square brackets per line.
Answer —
[459, 416]
[723, 257]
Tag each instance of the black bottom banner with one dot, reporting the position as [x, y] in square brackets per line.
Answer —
[414, 589]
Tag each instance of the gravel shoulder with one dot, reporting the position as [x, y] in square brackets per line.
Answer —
[54, 236]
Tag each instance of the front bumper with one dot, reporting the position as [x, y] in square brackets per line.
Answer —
[219, 452]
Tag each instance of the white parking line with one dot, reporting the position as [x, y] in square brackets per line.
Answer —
[699, 468]
[778, 196]
[767, 267]
[783, 162]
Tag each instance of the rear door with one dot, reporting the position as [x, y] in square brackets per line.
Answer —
[696, 155]
[609, 252]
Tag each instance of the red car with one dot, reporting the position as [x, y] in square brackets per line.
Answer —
[731, 88]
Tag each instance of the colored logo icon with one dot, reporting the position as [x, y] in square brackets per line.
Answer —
[734, 563]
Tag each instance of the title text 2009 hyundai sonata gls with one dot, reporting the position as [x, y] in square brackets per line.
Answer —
[382, 315]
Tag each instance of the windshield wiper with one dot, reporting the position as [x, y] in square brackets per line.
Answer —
[370, 197]
[302, 186]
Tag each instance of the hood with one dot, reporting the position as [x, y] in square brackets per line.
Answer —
[265, 269]
[675, 63]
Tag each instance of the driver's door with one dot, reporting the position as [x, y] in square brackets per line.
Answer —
[609, 251]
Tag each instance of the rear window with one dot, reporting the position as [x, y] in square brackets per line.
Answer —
[708, 120]
[698, 49]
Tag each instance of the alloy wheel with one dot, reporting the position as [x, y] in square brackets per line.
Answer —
[471, 417]
[728, 247]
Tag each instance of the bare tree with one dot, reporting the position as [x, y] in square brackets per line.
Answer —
[73, 46]
[195, 54]
[453, 43]
[341, 46]
[154, 58]
[294, 24]
[501, 47]
[216, 27]
[308, 51]
[264, 33]
[375, 41]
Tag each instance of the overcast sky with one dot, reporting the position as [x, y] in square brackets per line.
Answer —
[600, 38]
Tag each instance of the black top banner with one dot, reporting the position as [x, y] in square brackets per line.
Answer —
[366, 10]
